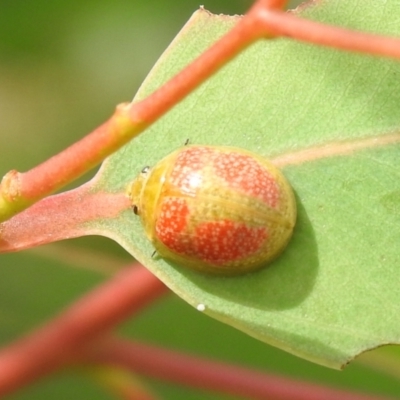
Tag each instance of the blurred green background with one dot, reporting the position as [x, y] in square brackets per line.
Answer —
[64, 65]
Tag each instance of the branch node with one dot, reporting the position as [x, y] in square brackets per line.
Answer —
[10, 186]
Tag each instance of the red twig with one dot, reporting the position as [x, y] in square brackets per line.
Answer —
[209, 62]
[211, 375]
[55, 344]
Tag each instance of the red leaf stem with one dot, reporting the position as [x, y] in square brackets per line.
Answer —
[63, 216]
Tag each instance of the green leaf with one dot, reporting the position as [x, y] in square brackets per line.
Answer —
[334, 292]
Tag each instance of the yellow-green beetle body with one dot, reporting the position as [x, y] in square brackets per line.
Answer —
[221, 210]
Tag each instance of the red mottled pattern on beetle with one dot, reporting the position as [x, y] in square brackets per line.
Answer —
[240, 171]
[171, 222]
[215, 242]
[247, 175]
[187, 165]
[220, 242]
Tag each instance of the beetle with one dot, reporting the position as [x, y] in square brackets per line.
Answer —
[215, 209]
